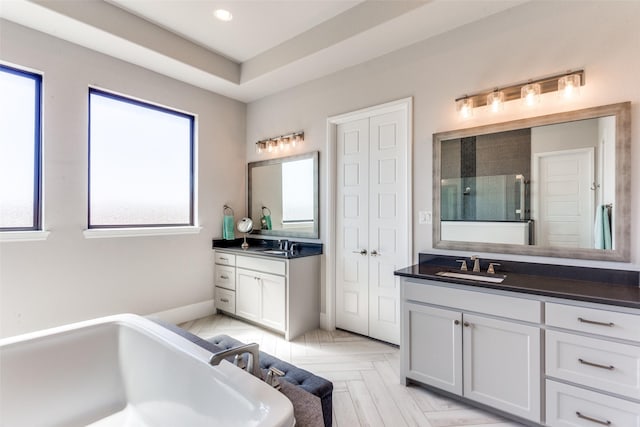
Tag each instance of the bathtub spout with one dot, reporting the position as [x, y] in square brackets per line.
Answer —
[253, 365]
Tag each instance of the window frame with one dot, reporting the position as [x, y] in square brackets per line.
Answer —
[144, 104]
[37, 222]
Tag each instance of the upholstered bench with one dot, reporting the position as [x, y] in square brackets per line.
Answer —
[307, 381]
[301, 378]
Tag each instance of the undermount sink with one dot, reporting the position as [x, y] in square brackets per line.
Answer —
[275, 252]
[466, 276]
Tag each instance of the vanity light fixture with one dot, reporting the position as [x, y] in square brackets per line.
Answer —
[280, 143]
[464, 107]
[567, 84]
[495, 101]
[530, 94]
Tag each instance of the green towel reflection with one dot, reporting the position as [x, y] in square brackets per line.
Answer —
[228, 226]
[267, 222]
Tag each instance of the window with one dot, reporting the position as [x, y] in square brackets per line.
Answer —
[141, 160]
[20, 148]
[297, 200]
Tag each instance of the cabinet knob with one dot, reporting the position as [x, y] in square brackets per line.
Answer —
[456, 322]
[361, 252]
[466, 324]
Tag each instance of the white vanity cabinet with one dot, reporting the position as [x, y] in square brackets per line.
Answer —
[482, 346]
[592, 366]
[278, 293]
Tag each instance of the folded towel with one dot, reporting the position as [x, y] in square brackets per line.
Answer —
[606, 228]
[228, 226]
[267, 222]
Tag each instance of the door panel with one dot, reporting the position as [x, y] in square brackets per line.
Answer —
[273, 301]
[388, 216]
[371, 215]
[248, 295]
[435, 353]
[502, 365]
[352, 278]
[566, 202]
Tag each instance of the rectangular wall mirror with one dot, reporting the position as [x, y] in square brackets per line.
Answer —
[555, 185]
[283, 196]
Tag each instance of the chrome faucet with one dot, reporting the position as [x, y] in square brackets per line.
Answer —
[253, 365]
[476, 263]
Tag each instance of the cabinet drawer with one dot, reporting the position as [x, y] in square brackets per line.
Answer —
[573, 406]
[226, 300]
[225, 277]
[262, 264]
[481, 301]
[224, 258]
[603, 322]
[597, 363]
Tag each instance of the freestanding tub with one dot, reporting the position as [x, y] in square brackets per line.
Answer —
[127, 371]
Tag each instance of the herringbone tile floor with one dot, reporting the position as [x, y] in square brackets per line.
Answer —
[365, 376]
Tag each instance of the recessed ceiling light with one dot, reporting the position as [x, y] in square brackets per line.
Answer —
[223, 15]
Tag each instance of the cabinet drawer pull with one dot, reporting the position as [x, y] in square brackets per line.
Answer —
[593, 322]
[224, 277]
[224, 259]
[593, 420]
[224, 300]
[597, 365]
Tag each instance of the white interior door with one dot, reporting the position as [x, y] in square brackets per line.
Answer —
[388, 216]
[565, 202]
[352, 226]
[372, 240]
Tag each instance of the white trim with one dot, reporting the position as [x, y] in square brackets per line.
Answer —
[96, 233]
[328, 319]
[186, 313]
[23, 236]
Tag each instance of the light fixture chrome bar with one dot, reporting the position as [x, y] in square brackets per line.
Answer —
[512, 92]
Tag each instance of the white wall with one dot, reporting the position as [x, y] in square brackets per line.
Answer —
[67, 277]
[530, 41]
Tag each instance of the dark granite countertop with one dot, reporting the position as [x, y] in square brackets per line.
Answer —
[604, 286]
[259, 246]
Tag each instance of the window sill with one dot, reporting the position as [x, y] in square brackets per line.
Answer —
[97, 233]
[23, 236]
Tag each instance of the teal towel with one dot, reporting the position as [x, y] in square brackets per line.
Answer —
[606, 226]
[267, 219]
[598, 229]
[228, 225]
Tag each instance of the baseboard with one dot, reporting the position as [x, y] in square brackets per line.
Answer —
[325, 324]
[186, 312]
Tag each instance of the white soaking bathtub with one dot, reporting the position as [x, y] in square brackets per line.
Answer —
[127, 371]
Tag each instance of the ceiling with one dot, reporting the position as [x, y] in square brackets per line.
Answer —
[269, 45]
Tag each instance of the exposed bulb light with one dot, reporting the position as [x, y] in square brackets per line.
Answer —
[530, 94]
[280, 143]
[464, 106]
[223, 15]
[569, 86]
[495, 101]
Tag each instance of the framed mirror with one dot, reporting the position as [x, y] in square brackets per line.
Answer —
[283, 196]
[555, 185]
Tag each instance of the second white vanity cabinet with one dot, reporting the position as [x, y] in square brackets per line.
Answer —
[485, 347]
[592, 366]
[280, 293]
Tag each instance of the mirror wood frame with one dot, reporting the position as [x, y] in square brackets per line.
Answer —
[315, 233]
[621, 253]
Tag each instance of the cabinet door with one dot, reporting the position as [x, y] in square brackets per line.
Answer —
[502, 365]
[273, 301]
[248, 294]
[433, 346]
